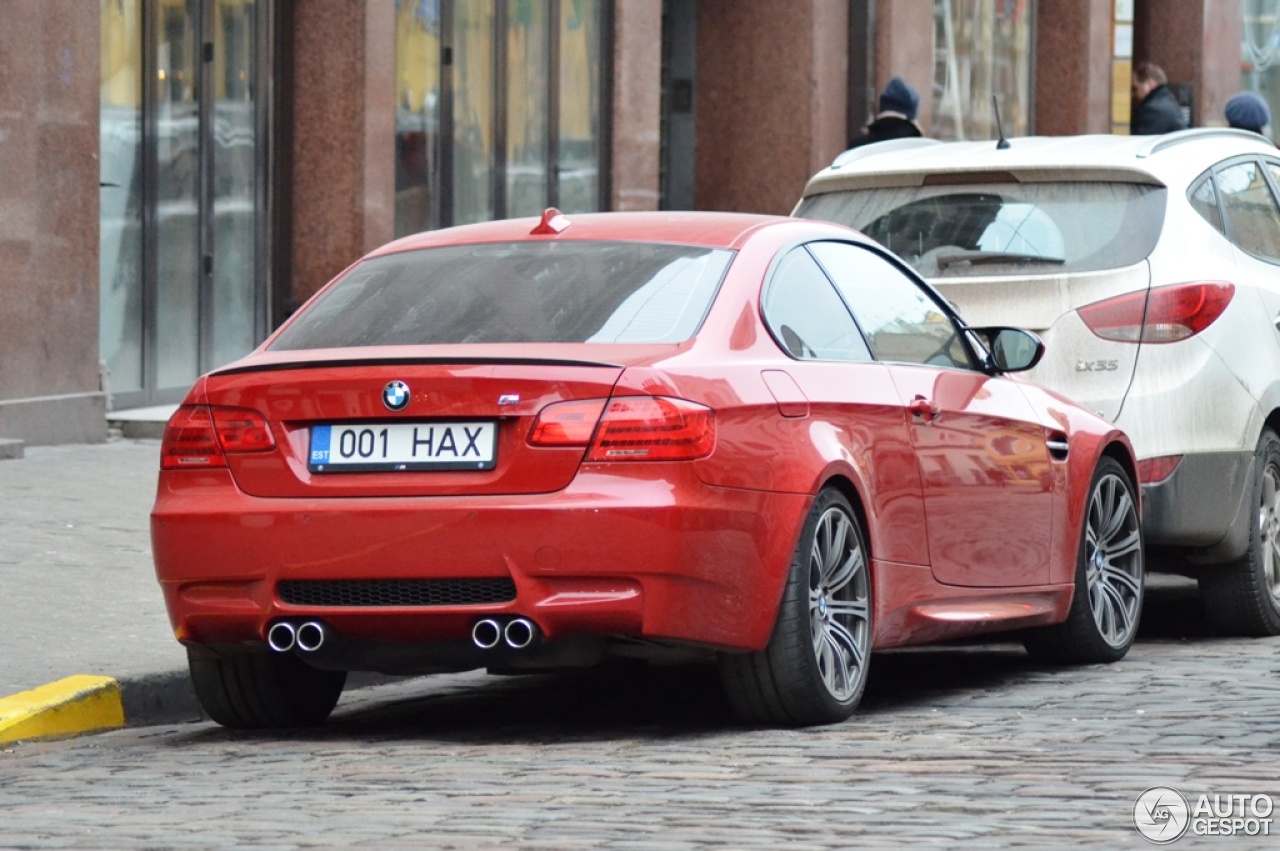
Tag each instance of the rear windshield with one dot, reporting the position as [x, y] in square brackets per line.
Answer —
[539, 292]
[1003, 228]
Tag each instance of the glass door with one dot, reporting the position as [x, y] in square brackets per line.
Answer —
[183, 267]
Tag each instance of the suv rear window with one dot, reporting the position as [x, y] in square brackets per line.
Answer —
[538, 292]
[1003, 228]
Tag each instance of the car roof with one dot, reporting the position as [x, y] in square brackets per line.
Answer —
[707, 229]
[1171, 159]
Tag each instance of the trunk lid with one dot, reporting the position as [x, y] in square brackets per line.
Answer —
[455, 407]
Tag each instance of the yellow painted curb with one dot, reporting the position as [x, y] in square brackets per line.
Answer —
[69, 707]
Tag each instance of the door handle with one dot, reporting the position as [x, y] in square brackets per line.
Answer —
[923, 408]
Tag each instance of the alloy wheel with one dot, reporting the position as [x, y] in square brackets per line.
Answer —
[1113, 571]
[838, 603]
[1269, 529]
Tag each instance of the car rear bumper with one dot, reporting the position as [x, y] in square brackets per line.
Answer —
[1204, 506]
[654, 554]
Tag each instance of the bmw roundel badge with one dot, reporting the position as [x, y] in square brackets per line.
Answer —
[395, 395]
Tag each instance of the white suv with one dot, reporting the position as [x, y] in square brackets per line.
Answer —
[1150, 265]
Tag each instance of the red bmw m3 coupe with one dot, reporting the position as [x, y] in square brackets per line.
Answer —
[760, 442]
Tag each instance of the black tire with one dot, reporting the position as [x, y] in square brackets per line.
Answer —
[814, 668]
[1243, 598]
[1110, 578]
[259, 690]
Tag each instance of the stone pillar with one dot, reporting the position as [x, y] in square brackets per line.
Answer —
[772, 99]
[637, 106]
[1073, 67]
[1196, 42]
[50, 386]
[904, 48]
[342, 169]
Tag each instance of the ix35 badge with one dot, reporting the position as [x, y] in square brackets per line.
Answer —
[1097, 365]
[395, 395]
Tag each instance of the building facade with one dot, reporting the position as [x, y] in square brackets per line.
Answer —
[176, 176]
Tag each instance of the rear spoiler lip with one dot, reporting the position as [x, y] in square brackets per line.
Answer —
[408, 361]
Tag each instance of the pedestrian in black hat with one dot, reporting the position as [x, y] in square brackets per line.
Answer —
[896, 118]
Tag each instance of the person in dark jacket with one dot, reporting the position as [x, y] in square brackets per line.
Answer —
[1247, 111]
[896, 118]
[1158, 110]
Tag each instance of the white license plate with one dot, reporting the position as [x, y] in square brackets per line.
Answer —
[403, 446]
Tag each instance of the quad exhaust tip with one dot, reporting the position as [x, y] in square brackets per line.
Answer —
[311, 636]
[520, 633]
[516, 634]
[486, 633]
[282, 636]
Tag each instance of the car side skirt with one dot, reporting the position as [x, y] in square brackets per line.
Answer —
[911, 607]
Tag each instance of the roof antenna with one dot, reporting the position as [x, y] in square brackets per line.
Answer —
[1003, 143]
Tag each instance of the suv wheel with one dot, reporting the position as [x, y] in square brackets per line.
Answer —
[1243, 598]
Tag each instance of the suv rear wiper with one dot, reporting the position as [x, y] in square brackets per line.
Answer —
[986, 258]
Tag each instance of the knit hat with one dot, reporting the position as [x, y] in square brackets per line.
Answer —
[899, 97]
[1248, 111]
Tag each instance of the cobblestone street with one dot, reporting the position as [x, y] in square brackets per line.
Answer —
[956, 746]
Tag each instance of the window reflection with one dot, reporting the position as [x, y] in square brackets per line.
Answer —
[1260, 50]
[528, 75]
[177, 184]
[120, 164]
[473, 110]
[1252, 218]
[235, 157]
[498, 109]
[981, 48]
[580, 53]
[417, 115]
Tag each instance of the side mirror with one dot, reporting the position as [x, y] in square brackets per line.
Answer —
[1011, 349]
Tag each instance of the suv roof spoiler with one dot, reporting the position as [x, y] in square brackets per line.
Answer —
[1172, 140]
[888, 146]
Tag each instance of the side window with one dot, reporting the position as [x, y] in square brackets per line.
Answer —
[901, 320]
[1252, 218]
[1204, 200]
[806, 316]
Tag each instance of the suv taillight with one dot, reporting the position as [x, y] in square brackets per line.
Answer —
[629, 428]
[198, 436]
[1160, 315]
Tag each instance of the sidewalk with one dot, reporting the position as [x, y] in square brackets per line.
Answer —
[85, 641]
[80, 592]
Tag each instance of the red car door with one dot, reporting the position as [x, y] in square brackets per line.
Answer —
[984, 466]
[986, 475]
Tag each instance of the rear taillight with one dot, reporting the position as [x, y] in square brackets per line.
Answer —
[567, 423]
[198, 436]
[1160, 315]
[629, 428]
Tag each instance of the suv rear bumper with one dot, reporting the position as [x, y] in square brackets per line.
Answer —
[1205, 507]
